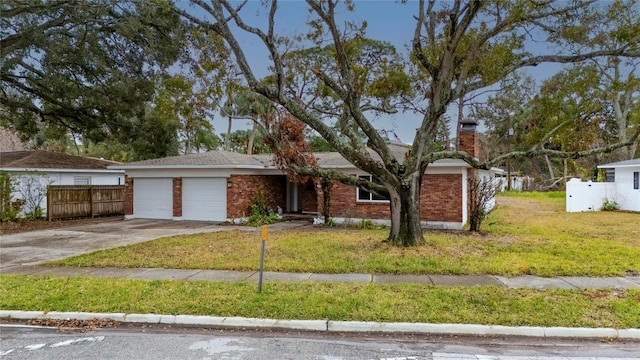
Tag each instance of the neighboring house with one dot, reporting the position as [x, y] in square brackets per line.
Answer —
[622, 187]
[38, 168]
[220, 185]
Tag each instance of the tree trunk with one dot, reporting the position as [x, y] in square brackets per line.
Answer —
[549, 167]
[405, 214]
[326, 199]
[227, 139]
[564, 173]
[634, 149]
[252, 136]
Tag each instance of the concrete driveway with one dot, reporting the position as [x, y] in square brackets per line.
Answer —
[35, 247]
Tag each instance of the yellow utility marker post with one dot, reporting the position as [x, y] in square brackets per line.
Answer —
[265, 232]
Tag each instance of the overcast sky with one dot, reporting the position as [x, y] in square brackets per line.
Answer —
[387, 20]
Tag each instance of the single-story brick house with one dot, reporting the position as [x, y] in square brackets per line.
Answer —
[220, 185]
[52, 168]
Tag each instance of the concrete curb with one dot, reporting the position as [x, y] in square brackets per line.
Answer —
[332, 326]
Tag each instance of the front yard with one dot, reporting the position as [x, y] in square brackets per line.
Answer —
[332, 301]
[526, 234]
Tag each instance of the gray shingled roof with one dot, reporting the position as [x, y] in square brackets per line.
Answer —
[227, 159]
[623, 163]
[40, 159]
[217, 158]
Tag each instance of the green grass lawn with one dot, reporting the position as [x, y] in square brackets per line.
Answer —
[332, 301]
[526, 234]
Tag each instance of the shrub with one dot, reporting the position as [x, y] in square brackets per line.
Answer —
[36, 214]
[366, 224]
[33, 189]
[259, 214]
[610, 205]
[481, 192]
[9, 210]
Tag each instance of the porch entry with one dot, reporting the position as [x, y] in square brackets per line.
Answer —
[302, 197]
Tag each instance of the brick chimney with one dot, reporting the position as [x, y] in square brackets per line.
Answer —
[468, 134]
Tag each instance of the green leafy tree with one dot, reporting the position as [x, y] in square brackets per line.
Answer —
[231, 83]
[154, 136]
[110, 150]
[254, 107]
[319, 144]
[179, 98]
[587, 104]
[87, 66]
[239, 142]
[457, 48]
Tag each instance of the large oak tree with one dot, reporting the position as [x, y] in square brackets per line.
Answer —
[457, 48]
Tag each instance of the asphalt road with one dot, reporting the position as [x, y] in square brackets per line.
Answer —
[157, 342]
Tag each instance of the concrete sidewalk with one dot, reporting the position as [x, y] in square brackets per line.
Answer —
[528, 281]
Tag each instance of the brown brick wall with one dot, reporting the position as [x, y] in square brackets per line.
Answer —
[128, 195]
[440, 200]
[343, 204]
[469, 142]
[177, 197]
[309, 196]
[244, 188]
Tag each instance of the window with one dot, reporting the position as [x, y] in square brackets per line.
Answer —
[364, 195]
[82, 180]
[636, 180]
[610, 175]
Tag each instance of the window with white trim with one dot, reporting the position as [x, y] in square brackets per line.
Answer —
[610, 175]
[365, 196]
[636, 180]
[82, 180]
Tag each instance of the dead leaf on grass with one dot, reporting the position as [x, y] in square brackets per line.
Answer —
[595, 294]
[505, 240]
[75, 324]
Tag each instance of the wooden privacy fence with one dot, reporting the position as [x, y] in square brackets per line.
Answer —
[72, 201]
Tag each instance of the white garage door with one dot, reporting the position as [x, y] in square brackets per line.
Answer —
[204, 199]
[152, 198]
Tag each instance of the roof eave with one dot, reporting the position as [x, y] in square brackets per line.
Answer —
[169, 167]
[108, 170]
[607, 166]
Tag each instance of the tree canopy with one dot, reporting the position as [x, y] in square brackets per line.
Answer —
[85, 66]
[457, 48]
[100, 69]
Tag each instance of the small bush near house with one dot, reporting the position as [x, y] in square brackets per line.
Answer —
[366, 224]
[9, 210]
[481, 192]
[36, 214]
[32, 188]
[260, 214]
[610, 206]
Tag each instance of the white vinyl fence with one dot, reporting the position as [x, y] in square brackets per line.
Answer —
[588, 195]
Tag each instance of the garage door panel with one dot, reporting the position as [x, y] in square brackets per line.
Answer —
[152, 198]
[204, 199]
